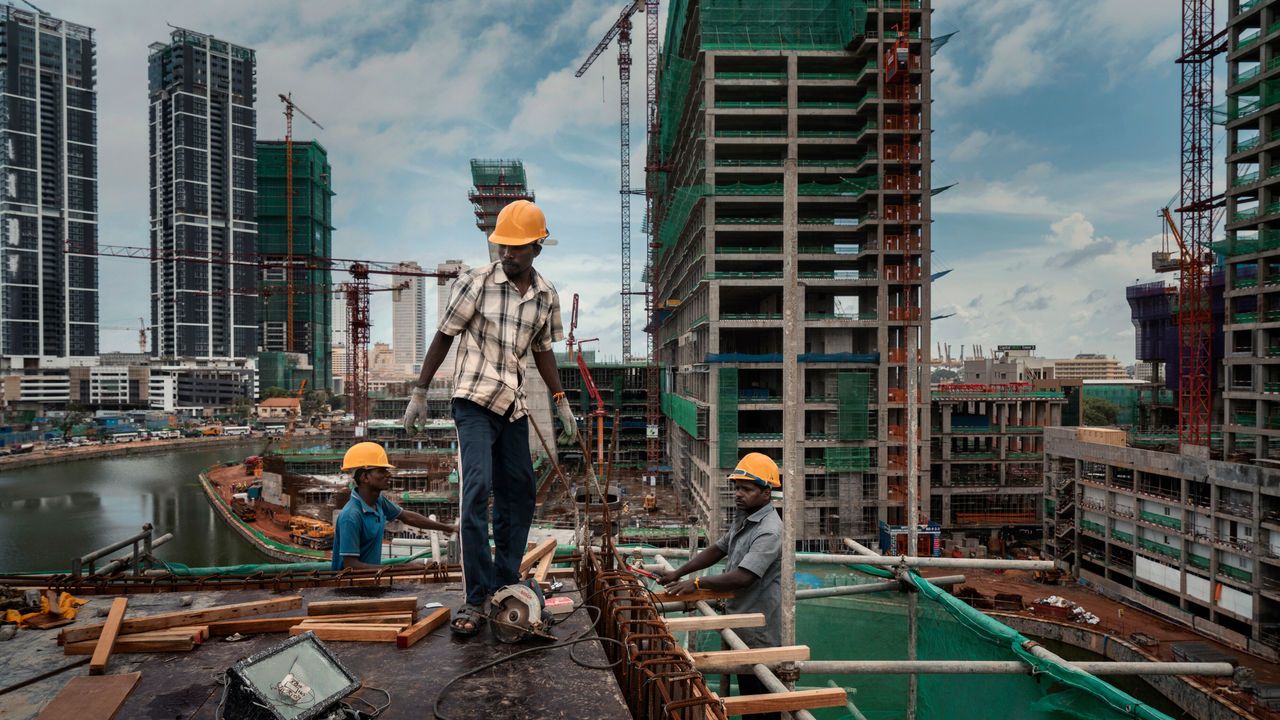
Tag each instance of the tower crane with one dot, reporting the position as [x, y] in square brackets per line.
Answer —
[289, 108]
[621, 31]
[1195, 336]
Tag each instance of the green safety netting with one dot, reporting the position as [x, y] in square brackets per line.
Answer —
[874, 627]
[851, 411]
[497, 172]
[683, 411]
[727, 417]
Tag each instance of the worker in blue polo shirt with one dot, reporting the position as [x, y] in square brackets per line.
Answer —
[357, 536]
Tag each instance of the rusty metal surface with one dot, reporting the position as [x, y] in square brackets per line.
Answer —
[654, 673]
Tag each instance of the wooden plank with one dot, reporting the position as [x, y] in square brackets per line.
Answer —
[127, 644]
[544, 566]
[783, 702]
[107, 640]
[408, 603]
[255, 626]
[713, 661]
[665, 597]
[350, 632]
[546, 546]
[193, 634]
[188, 617]
[405, 618]
[715, 622]
[424, 627]
[197, 634]
[91, 698]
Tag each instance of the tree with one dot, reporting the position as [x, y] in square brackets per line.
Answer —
[241, 409]
[943, 375]
[74, 415]
[314, 402]
[1096, 411]
[276, 392]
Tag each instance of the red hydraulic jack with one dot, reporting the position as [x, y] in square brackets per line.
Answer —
[576, 356]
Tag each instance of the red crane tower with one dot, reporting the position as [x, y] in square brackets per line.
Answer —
[1194, 318]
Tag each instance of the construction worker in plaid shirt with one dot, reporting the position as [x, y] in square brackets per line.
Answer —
[500, 312]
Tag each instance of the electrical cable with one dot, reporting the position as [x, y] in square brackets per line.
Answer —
[570, 643]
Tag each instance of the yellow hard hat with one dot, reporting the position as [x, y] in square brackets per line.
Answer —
[759, 469]
[364, 455]
[520, 223]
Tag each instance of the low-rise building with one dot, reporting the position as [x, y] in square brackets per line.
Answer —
[1195, 539]
[279, 408]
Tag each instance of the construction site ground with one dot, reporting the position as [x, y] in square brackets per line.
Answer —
[186, 684]
[1110, 620]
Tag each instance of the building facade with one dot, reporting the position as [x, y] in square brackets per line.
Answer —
[1195, 539]
[204, 277]
[49, 186]
[1089, 366]
[1251, 367]
[312, 247]
[409, 318]
[988, 454]
[444, 286]
[793, 240]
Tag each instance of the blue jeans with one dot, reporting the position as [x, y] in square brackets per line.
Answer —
[495, 462]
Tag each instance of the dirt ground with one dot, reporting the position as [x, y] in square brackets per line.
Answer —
[1133, 620]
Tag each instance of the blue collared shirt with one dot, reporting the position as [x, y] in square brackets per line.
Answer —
[359, 530]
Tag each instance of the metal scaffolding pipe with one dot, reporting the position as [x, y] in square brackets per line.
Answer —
[1006, 667]
[859, 548]
[127, 560]
[870, 587]
[734, 642]
[923, 562]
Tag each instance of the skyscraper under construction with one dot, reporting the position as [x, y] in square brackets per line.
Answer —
[793, 249]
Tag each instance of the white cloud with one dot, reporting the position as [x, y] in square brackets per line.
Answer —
[1063, 292]
[971, 146]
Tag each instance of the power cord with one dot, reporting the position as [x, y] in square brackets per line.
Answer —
[570, 643]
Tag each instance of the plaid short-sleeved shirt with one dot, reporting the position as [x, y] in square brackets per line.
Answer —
[497, 327]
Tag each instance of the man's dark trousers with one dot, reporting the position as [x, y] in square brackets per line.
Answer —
[495, 460]
[749, 684]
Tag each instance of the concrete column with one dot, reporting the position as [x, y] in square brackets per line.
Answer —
[792, 383]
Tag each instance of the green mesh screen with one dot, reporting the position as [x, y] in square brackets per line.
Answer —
[851, 410]
[848, 459]
[779, 24]
[683, 411]
[727, 417]
[676, 217]
[497, 172]
[874, 627]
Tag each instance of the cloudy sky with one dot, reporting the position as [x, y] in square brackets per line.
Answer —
[1058, 122]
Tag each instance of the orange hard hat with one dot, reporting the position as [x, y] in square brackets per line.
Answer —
[365, 455]
[758, 468]
[520, 223]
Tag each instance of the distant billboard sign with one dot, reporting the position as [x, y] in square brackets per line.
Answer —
[1005, 348]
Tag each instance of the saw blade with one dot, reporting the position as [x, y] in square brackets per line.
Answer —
[511, 621]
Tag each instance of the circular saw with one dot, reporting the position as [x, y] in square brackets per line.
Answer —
[518, 612]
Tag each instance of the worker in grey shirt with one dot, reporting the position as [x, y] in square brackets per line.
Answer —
[753, 568]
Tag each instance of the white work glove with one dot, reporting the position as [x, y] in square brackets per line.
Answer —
[417, 411]
[568, 423]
